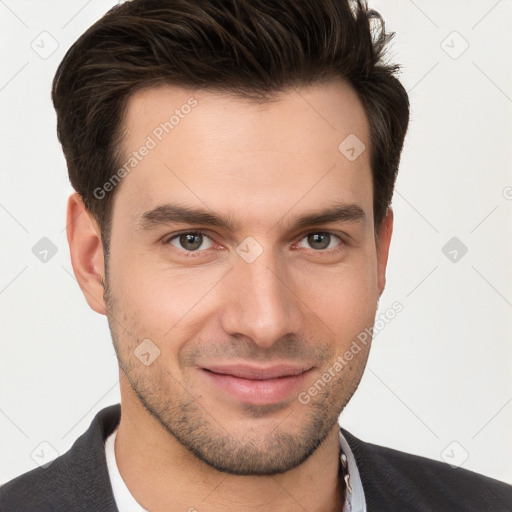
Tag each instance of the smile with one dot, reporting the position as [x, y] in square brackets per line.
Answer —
[258, 386]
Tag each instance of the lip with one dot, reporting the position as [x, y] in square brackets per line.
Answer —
[259, 373]
[258, 385]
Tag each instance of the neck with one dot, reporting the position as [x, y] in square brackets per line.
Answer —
[161, 474]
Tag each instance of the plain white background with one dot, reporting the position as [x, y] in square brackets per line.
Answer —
[438, 381]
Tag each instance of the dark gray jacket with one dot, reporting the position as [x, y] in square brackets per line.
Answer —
[393, 481]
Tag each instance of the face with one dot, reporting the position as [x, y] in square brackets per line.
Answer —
[242, 266]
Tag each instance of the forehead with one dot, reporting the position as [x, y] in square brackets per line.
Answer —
[206, 148]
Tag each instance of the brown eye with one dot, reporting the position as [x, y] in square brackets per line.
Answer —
[321, 240]
[190, 242]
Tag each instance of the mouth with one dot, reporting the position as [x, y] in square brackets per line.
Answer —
[258, 385]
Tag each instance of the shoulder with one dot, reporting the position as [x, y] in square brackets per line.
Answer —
[39, 489]
[392, 478]
[75, 481]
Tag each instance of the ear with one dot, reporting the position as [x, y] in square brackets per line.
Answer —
[86, 249]
[384, 239]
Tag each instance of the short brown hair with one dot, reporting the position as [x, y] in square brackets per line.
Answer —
[248, 48]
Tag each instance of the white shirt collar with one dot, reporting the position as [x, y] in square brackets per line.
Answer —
[124, 499]
[354, 495]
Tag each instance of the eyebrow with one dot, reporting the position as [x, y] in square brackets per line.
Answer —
[175, 213]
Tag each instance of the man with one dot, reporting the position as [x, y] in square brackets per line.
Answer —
[234, 164]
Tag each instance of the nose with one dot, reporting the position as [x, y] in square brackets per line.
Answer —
[260, 301]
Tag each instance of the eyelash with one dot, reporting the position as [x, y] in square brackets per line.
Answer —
[168, 240]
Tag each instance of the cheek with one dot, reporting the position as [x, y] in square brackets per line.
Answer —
[160, 302]
[171, 305]
[343, 297]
